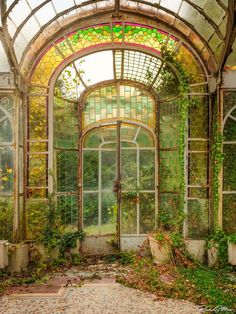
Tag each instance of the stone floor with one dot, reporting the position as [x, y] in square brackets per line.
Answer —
[88, 291]
[100, 298]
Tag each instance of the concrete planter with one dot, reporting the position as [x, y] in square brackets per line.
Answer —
[18, 257]
[3, 254]
[196, 248]
[212, 254]
[160, 252]
[39, 249]
[232, 253]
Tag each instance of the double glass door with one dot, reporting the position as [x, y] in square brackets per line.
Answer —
[119, 175]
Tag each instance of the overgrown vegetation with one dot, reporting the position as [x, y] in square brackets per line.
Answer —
[54, 235]
[204, 286]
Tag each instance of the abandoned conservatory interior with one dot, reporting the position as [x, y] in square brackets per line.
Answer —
[118, 118]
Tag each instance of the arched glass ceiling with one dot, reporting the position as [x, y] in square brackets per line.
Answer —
[120, 38]
[204, 22]
[126, 65]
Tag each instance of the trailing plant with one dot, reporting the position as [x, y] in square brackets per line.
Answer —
[54, 235]
[232, 238]
[217, 161]
[220, 240]
[185, 103]
[52, 231]
[69, 241]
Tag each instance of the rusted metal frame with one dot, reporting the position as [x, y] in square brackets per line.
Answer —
[219, 121]
[118, 182]
[58, 15]
[179, 18]
[74, 65]
[209, 170]
[19, 28]
[227, 115]
[222, 5]
[196, 7]
[194, 51]
[15, 130]
[157, 160]
[117, 5]
[122, 63]
[80, 165]
[77, 71]
[209, 20]
[10, 8]
[158, 73]
[6, 41]
[114, 63]
[230, 35]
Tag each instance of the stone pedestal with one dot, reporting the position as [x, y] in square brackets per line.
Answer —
[212, 256]
[232, 253]
[3, 254]
[160, 252]
[18, 257]
[196, 248]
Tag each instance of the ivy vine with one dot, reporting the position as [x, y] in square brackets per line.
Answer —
[185, 103]
[217, 162]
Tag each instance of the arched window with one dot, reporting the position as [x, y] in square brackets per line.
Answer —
[229, 171]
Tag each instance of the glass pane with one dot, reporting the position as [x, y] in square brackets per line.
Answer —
[36, 218]
[90, 170]
[129, 169]
[90, 213]
[198, 119]
[229, 101]
[198, 169]
[66, 171]
[198, 216]
[68, 210]
[145, 139]
[65, 124]
[6, 170]
[229, 213]
[93, 140]
[37, 171]
[169, 124]
[168, 211]
[128, 214]
[198, 192]
[169, 171]
[37, 118]
[6, 133]
[230, 128]
[147, 169]
[109, 213]
[146, 212]
[229, 168]
[108, 169]
[6, 218]
[129, 102]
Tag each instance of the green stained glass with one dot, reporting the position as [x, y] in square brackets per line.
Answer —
[116, 101]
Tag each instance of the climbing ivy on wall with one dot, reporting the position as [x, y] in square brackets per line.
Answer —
[184, 104]
[217, 162]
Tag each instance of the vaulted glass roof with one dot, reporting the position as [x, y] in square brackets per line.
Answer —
[123, 65]
[135, 48]
[206, 23]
